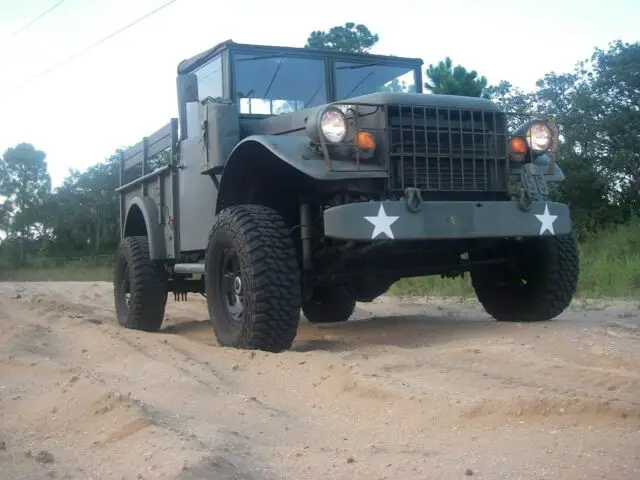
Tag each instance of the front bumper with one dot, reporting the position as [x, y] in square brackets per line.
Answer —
[445, 220]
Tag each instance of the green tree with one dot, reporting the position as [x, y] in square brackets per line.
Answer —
[510, 98]
[615, 78]
[351, 37]
[85, 210]
[25, 185]
[597, 108]
[398, 86]
[444, 78]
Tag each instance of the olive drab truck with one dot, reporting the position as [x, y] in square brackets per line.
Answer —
[299, 180]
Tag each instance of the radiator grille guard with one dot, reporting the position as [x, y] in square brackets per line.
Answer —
[447, 149]
[434, 149]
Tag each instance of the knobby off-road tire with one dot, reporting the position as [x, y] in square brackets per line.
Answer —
[329, 304]
[252, 272]
[538, 291]
[145, 280]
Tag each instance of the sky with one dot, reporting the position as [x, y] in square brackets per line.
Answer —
[124, 89]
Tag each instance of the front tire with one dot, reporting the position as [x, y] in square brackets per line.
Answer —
[329, 304]
[140, 286]
[539, 288]
[252, 280]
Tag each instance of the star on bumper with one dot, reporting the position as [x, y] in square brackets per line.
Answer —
[382, 223]
[546, 221]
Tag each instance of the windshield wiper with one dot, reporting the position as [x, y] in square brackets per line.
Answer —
[358, 84]
[265, 57]
[275, 74]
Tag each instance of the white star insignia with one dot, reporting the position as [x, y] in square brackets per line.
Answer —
[546, 221]
[382, 223]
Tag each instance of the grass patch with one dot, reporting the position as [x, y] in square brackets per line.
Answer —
[87, 269]
[609, 263]
[59, 274]
[433, 286]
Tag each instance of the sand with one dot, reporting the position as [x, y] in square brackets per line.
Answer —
[422, 389]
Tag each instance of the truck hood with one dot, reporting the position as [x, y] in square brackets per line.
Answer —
[294, 123]
[424, 100]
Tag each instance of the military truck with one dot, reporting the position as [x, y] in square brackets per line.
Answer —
[308, 180]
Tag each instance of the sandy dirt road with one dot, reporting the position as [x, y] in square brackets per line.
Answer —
[422, 390]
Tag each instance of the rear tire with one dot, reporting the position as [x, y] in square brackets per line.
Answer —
[329, 304]
[253, 280]
[140, 286]
[539, 288]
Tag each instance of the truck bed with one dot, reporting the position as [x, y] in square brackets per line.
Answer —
[149, 171]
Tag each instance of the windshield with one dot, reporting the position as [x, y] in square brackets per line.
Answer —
[355, 79]
[277, 84]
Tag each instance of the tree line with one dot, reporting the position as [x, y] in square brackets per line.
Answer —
[597, 106]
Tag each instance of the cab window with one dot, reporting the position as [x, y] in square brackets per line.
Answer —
[278, 84]
[354, 79]
[210, 79]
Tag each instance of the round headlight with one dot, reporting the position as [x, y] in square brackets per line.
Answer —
[334, 125]
[538, 137]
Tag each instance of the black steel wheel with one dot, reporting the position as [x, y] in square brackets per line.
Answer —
[329, 304]
[139, 286]
[538, 286]
[230, 287]
[252, 279]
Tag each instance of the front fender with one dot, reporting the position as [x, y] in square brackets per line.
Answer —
[147, 208]
[256, 151]
[295, 151]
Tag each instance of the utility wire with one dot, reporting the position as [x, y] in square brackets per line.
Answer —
[42, 15]
[86, 49]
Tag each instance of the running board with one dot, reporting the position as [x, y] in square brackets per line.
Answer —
[189, 268]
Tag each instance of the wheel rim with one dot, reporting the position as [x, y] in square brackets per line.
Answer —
[125, 289]
[231, 287]
[123, 292]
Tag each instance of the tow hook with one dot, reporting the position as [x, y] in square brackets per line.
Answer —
[413, 199]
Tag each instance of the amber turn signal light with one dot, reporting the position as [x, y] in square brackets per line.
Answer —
[365, 141]
[517, 145]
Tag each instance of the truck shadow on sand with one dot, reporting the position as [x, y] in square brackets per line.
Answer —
[406, 331]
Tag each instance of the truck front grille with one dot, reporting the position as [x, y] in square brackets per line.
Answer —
[447, 149]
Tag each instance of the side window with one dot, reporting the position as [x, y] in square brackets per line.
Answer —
[210, 79]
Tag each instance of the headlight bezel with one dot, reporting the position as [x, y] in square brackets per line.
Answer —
[526, 132]
[530, 138]
[332, 110]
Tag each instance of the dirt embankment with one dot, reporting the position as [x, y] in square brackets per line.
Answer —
[431, 389]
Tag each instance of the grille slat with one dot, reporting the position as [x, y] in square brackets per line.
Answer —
[446, 149]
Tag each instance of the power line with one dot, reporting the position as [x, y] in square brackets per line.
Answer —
[86, 49]
[42, 15]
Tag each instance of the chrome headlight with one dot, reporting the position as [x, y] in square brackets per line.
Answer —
[333, 125]
[538, 136]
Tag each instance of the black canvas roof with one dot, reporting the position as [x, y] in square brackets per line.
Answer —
[189, 64]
